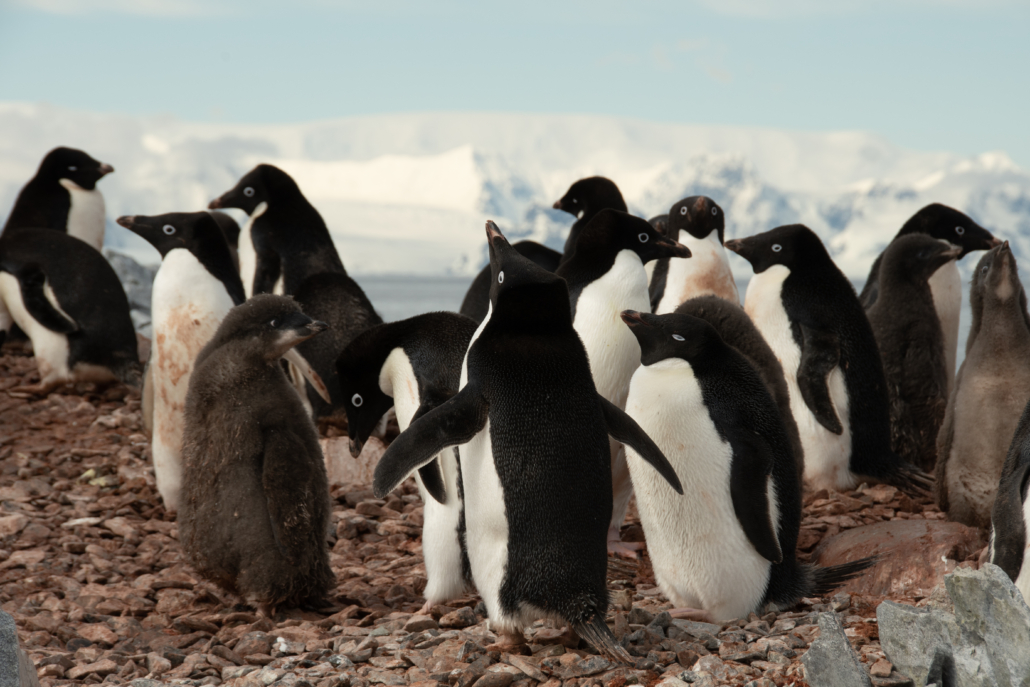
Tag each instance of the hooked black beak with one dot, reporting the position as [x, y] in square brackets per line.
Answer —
[678, 249]
[317, 326]
[105, 169]
[355, 447]
[215, 204]
[995, 241]
[127, 221]
[557, 205]
[633, 318]
[492, 232]
[739, 247]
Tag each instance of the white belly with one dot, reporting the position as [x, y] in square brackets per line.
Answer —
[827, 455]
[701, 556]
[188, 304]
[1023, 579]
[86, 216]
[247, 253]
[706, 272]
[946, 288]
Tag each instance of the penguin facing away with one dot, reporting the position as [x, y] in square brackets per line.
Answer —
[809, 314]
[64, 196]
[530, 423]
[477, 298]
[726, 547]
[991, 391]
[908, 334]
[737, 330]
[960, 230]
[255, 504]
[285, 240]
[699, 224]
[414, 365]
[194, 288]
[606, 276]
[583, 200]
[1010, 517]
[66, 297]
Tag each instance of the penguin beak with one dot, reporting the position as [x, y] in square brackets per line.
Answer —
[355, 447]
[129, 222]
[317, 327]
[632, 318]
[215, 204]
[994, 242]
[676, 248]
[105, 169]
[557, 205]
[739, 247]
[493, 233]
[1004, 247]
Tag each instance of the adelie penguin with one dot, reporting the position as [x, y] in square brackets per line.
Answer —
[255, 505]
[911, 342]
[477, 298]
[66, 297]
[64, 196]
[413, 366]
[699, 224]
[606, 276]
[1010, 517]
[991, 390]
[583, 200]
[726, 547]
[533, 433]
[960, 230]
[285, 240]
[231, 231]
[809, 314]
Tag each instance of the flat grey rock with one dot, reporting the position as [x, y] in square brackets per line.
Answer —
[16, 669]
[830, 661]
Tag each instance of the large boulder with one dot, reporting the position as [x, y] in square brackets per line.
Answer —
[830, 661]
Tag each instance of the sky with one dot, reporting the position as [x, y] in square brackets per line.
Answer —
[926, 74]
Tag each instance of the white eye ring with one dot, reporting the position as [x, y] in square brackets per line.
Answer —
[357, 400]
[248, 191]
[984, 270]
[73, 168]
[960, 230]
[574, 200]
[678, 337]
[715, 211]
[168, 229]
[776, 248]
[500, 277]
[683, 210]
[274, 322]
[643, 237]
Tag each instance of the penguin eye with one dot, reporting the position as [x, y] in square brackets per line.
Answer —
[73, 168]
[678, 337]
[500, 277]
[168, 229]
[715, 211]
[960, 230]
[776, 248]
[643, 237]
[248, 191]
[683, 210]
[574, 200]
[274, 323]
[357, 400]
[984, 270]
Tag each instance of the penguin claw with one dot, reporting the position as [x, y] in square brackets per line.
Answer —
[508, 642]
[694, 614]
[427, 609]
[623, 549]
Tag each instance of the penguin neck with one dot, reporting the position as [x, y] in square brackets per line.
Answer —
[85, 213]
[397, 379]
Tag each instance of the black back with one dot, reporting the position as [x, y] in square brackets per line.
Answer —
[477, 298]
[940, 222]
[87, 289]
[1009, 540]
[698, 216]
[43, 202]
[584, 199]
[290, 238]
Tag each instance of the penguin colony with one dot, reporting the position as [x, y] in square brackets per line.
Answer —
[568, 382]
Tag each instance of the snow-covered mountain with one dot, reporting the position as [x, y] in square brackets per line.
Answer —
[409, 193]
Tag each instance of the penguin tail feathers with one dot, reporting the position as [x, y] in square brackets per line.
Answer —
[911, 479]
[825, 580]
[600, 636]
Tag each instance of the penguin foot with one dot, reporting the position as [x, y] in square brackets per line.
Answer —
[694, 614]
[625, 549]
[427, 609]
[508, 642]
[41, 389]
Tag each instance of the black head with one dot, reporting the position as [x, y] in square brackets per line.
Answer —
[358, 369]
[697, 215]
[230, 229]
[793, 245]
[270, 325]
[612, 231]
[660, 223]
[174, 230]
[917, 256]
[73, 165]
[948, 224]
[591, 195]
[259, 185]
[520, 290]
[671, 336]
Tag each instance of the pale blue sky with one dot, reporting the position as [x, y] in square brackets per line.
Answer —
[926, 74]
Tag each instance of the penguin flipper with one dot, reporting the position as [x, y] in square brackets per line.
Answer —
[281, 473]
[820, 353]
[625, 429]
[431, 474]
[32, 281]
[749, 490]
[455, 422]
[267, 271]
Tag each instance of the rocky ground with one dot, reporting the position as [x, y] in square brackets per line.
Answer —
[91, 570]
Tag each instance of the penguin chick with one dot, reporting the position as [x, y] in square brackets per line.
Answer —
[255, 504]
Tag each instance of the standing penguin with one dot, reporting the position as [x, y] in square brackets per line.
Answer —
[726, 547]
[583, 200]
[66, 297]
[606, 276]
[231, 231]
[990, 392]
[699, 224]
[194, 288]
[477, 298]
[285, 240]
[957, 228]
[64, 196]
[737, 330]
[1010, 517]
[908, 334]
[255, 503]
[414, 365]
[809, 314]
[534, 457]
